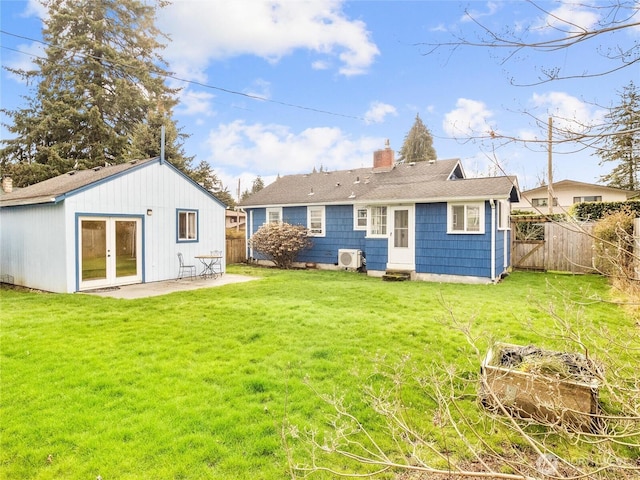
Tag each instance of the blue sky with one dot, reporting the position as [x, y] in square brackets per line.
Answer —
[336, 79]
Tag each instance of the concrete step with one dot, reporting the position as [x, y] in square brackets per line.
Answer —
[393, 276]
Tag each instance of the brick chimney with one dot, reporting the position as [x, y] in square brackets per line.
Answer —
[383, 160]
[7, 184]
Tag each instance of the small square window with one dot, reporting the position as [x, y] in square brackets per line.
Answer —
[315, 221]
[378, 226]
[466, 218]
[360, 218]
[187, 226]
[274, 215]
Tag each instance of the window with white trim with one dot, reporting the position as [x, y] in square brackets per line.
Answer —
[359, 217]
[590, 198]
[274, 215]
[504, 222]
[315, 221]
[187, 225]
[378, 221]
[466, 218]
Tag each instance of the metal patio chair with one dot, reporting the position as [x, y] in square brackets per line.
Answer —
[188, 269]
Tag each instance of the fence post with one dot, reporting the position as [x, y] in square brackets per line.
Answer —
[636, 248]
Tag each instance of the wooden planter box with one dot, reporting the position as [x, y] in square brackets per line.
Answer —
[544, 399]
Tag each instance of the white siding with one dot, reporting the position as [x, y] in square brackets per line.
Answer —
[39, 243]
[32, 248]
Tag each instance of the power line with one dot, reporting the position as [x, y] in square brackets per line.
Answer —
[179, 79]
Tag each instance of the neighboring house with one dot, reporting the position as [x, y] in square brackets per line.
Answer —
[566, 193]
[425, 218]
[235, 219]
[106, 226]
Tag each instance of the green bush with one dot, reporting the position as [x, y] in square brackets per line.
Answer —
[281, 242]
[614, 243]
[595, 211]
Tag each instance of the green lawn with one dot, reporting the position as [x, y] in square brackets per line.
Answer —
[197, 384]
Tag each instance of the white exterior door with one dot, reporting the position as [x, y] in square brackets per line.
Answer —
[109, 251]
[401, 238]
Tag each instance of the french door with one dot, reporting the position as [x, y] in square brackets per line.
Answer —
[401, 238]
[109, 251]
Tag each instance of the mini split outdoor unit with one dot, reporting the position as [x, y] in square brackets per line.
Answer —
[349, 258]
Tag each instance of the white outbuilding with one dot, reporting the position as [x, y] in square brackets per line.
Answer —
[107, 226]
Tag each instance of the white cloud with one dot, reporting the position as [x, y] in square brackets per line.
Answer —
[470, 118]
[271, 149]
[195, 103]
[259, 88]
[570, 17]
[474, 15]
[378, 111]
[202, 31]
[569, 113]
[24, 60]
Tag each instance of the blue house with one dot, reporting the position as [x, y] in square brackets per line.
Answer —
[424, 219]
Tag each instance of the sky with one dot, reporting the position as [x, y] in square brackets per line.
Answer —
[282, 87]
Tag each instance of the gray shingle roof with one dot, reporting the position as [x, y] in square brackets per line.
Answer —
[420, 182]
[54, 189]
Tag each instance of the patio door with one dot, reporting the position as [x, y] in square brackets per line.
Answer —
[109, 251]
[401, 238]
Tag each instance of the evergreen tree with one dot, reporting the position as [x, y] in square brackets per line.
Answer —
[256, 186]
[418, 144]
[621, 143]
[99, 93]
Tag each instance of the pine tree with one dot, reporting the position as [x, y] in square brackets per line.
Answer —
[418, 144]
[621, 144]
[99, 93]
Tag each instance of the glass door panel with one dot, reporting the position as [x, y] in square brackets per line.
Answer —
[126, 248]
[401, 229]
[94, 250]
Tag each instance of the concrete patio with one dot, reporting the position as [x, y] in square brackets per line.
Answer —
[153, 289]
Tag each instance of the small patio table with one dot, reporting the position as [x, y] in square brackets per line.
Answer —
[209, 264]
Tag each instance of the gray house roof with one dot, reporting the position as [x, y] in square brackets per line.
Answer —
[424, 182]
[56, 189]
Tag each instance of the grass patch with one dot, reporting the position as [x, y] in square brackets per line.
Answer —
[195, 384]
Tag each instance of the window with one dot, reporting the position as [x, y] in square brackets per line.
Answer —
[315, 221]
[359, 218]
[543, 202]
[378, 224]
[503, 215]
[590, 198]
[466, 218]
[274, 215]
[187, 225]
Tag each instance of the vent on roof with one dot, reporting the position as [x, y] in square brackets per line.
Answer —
[311, 192]
[95, 169]
[337, 184]
[353, 195]
[357, 180]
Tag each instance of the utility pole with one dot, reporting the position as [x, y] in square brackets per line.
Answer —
[550, 167]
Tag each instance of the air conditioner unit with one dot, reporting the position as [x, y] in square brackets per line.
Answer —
[349, 258]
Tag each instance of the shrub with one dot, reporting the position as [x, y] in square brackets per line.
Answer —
[614, 243]
[281, 242]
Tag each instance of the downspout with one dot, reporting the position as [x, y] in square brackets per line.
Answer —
[249, 231]
[493, 239]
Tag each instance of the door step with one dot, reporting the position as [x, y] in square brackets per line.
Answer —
[396, 276]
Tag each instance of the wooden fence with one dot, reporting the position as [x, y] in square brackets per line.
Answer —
[565, 246]
[236, 250]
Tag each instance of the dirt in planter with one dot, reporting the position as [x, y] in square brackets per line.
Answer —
[563, 365]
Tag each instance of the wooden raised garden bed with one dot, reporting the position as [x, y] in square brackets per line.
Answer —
[546, 386]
